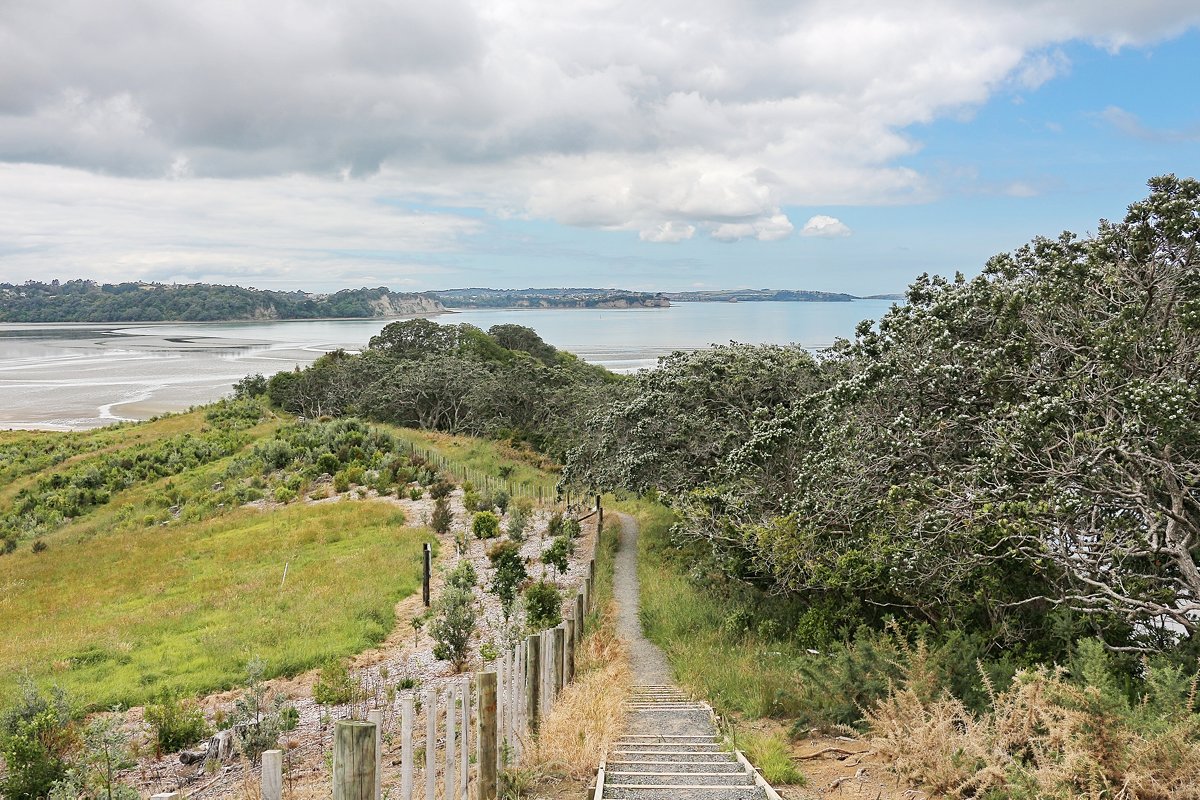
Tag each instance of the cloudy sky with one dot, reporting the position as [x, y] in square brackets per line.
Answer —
[841, 145]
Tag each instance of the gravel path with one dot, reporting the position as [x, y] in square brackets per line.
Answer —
[671, 748]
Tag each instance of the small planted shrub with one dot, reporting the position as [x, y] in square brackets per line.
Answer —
[284, 495]
[175, 721]
[485, 525]
[335, 685]
[441, 489]
[501, 500]
[470, 501]
[453, 624]
[416, 493]
[441, 517]
[571, 528]
[328, 463]
[39, 546]
[543, 605]
[341, 482]
[557, 555]
[463, 576]
[518, 521]
[510, 573]
[555, 526]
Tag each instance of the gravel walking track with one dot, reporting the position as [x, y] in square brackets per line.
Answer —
[671, 748]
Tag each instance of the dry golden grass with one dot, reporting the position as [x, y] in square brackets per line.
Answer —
[1044, 738]
[590, 713]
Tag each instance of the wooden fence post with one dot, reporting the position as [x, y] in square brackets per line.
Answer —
[451, 791]
[431, 710]
[569, 651]
[533, 679]
[376, 716]
[353, 760]
[272, 775]
[560, 657]
[464, 760]
[407, 712]
[580, 614]
[485, 737]
[426, 573]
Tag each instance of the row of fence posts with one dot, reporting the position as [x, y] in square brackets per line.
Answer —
[499, 709]
[481, 479]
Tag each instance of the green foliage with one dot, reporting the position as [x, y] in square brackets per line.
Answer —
[509, 565]
[37, 739]
[260, 715]
[175, 721]
[571, 528]
[441, 489]
[771, 754]
[105, 751]
[500, 500]
[88, 301]
[485, 525]
[463, 576]
[453, 625]
[555, 526]
[558, 553]
[543, 606]
[442, 517]
[335, 686]
[518, 522]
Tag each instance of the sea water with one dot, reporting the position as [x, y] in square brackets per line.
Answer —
[81, 376]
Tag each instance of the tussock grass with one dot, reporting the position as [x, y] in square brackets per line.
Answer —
[589, 715]
[114, 618]
[771, 753]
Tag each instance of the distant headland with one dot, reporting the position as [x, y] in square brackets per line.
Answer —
[90, 301]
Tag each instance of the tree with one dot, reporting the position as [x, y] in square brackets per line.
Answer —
[506, 560]
[557, 555]
[441, 517]
[453, 625]
[543, 606]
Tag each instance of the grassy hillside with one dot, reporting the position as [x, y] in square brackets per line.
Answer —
[153, 554]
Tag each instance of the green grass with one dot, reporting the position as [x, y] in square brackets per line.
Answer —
[485, 461]
[737, 673]
[189, 605]
[771, 754]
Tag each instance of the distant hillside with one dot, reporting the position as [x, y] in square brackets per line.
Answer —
[88, 301]
[548, 298]
[760, 295]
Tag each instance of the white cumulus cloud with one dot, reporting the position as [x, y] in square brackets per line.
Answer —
[826, 226]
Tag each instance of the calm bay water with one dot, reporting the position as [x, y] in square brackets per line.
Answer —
[79, 376]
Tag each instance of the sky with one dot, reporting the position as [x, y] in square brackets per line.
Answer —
[837, 146]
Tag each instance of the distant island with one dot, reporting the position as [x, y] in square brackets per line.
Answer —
[89, 301]
[549, 298]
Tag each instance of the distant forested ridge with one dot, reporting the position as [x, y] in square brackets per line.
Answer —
[761, 295]
[88, 301]
[549, 298]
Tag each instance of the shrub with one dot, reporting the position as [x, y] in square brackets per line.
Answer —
[441, 489]
[176, 722]
[510, 573]
[39, 546]
[571, 528]
[335, 685]
[341, 482]
[105, 752]
[328, 463]
[453, 625]
[557, 554]
[488, 652]
[441, 518]
[555, 526]
[416, 493]
[463, 576]
[36, 738]
[543, 606]
[485, 525]
[518, 521]
[284, 495]
[471, 501]
[259, 715]
[501, 500]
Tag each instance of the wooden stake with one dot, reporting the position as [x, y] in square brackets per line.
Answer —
[485, 737]
[407, 712]
[353, 760]
[272, 775]
[533, 680]
[431, 710]
[376, 716]
[569, 651]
